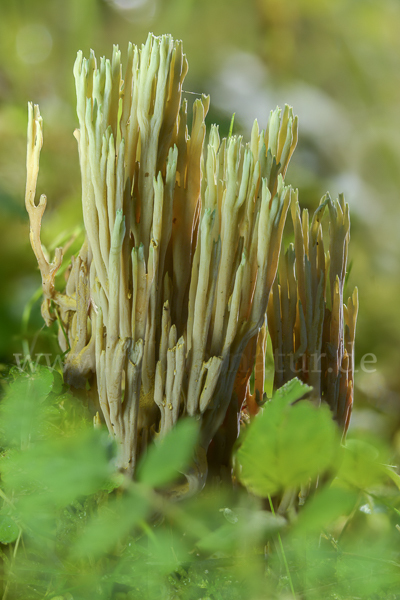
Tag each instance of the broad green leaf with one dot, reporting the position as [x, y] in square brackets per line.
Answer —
[8, 529]
[322, 509]
[22, 408]
[165, 460]
[111, 525]
[64, 468]
[53, 474]
[360, 466]
[286, 444]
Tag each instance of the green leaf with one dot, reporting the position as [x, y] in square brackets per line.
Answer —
[376, 575]
[292, 391]
[391, 473]
[53, 474]
[22, 408]
[111, 525]
[241, 527]
[9, 530]
[322, 509]
[286, 444]
[360, 466]
[64, 468]
[165, 460]
[163, 549]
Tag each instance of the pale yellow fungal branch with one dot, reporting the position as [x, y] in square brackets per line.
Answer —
[48, 270]
[171, 286]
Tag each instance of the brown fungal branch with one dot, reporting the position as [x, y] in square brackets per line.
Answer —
[171, 286]
[311, 328]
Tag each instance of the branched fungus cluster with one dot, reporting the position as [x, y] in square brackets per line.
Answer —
[165, 304]
[312, 330]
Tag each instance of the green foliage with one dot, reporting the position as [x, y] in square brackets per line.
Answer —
[325, 507]
[24, 407]
[361, 465]
[163, 461]
[8, 529]
[71, 528]
[276, 452]
[239, 527]
[111, 524]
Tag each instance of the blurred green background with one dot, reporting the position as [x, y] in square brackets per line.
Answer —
[336, 61]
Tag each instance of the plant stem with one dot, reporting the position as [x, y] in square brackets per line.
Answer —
[283, 552]
[12, 564]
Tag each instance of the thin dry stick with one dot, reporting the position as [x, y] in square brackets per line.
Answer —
[283, 552]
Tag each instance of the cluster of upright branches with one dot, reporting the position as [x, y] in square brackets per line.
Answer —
[311, 328]
[165, 302]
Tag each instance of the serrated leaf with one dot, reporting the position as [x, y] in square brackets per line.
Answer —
[292, 390]
[287, 444]
[165, 460]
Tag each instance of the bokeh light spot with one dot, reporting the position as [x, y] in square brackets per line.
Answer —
[128, 4]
